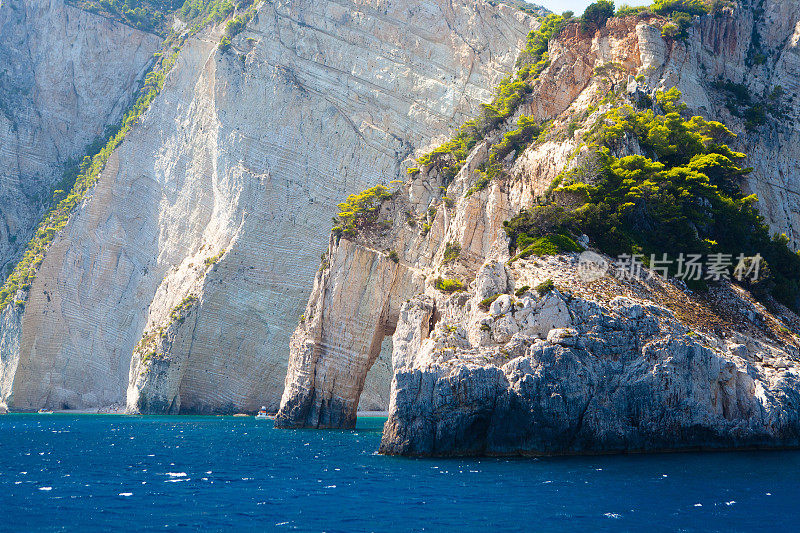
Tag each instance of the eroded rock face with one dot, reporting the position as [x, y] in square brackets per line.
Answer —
[66, 75]
[247, 153]
[590, 366]
[626, 376]
[366, 290]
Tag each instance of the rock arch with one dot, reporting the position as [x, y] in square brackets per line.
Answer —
[354, 305]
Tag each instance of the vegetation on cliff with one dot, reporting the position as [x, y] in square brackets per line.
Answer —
[150, 343]
[450, 157]
[360, 211]
[156, 16]
[682, 196]
[80, 180]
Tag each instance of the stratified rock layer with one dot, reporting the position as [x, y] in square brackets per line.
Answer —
[66, 75]
[245, 152]
[622, 376]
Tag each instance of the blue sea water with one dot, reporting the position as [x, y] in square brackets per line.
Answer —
[95, 473]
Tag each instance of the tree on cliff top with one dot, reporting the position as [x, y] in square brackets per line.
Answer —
[596, 16]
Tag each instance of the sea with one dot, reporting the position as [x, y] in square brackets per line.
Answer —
[64, 472]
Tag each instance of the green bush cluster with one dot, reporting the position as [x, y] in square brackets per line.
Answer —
[486, 173]
[178, 313]
[146, 15]
[360, 211]
[450, 157]
[486, 303]
[234, 27]
[84, 179]
[156, 15]
[545, 287]
[669, 7]
[681, 196]
[625, 10]
[210, 261]
[595, 16]
[206, 10]
[527, 130]
[553, 244]
[451, 251]
[448, 285]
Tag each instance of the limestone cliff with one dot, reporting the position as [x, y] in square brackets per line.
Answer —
[65, 76]
[608, 365]
[245, 151]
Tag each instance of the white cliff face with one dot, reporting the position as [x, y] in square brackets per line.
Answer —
[247, 153]
[65, 75]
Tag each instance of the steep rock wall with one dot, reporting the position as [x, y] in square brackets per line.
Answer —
[247, 152]
[66, 74]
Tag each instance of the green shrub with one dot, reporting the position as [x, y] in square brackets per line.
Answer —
[527, 130]
[486, 303]
[83, 179]
[448, 286]
[545, 287]
[681, 196]
[450, 157]
[670, 30]
[394, 257]
[624, 10]
[451, 251]
[538, 221]
[522, 290]
[690, 7]
[178, 313]
[548, 245]
[596, 15]
[360, 211]
[209, 261]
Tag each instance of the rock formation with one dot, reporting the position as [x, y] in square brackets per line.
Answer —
[558, 374]
[613, 365]
[243, 157]
[66, 75]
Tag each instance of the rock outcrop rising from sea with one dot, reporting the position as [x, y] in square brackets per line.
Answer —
[608, 365]
[225, 189]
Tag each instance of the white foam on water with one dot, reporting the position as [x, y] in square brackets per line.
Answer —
[615, 516]
[698, 505]
[45, 488]
[125, 494]
[176, 474]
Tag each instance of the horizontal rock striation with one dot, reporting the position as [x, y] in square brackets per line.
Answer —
[67, 74]
[246, 152]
